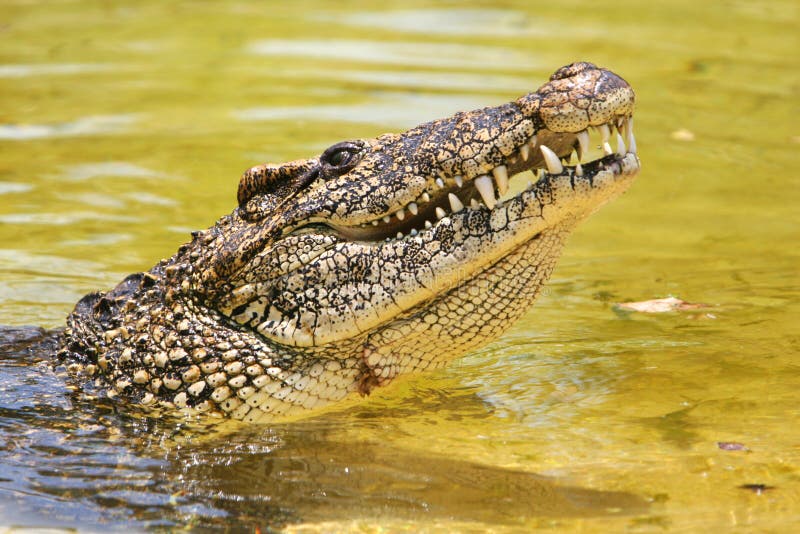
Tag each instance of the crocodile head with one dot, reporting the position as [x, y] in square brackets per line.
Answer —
[378, 258]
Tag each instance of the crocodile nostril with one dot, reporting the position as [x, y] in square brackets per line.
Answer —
[572, 69]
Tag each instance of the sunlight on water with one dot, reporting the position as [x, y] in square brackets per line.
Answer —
[124, 127]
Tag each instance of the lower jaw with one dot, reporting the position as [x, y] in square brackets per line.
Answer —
[473, 313]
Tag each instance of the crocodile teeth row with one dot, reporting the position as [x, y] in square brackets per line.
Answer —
[485, 184]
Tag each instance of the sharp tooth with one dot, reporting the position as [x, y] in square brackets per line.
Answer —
[605, 134]
[413, 208]
[440, 213]
[578, 170]
[459, 180]
[583, 143]
[413, 232]
[440, 183]
[551, 159]
[532, 141]
[425, 197]
[374, 223]
[400, 214]
[474, 204]
[629, 135]
[485, 187]
[525, 152]
[620, 145]
[455, 203]
[501, 177]
[399, 235]
[386, 219]
[428, 225]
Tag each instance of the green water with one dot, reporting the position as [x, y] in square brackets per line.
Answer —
[124, 126]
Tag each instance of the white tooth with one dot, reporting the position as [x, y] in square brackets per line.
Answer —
[583, 142]
[532, 141]
[401, 214]
[605, 133]
[529, 185]
[578, 170]
[620, 145]
[413, 208]
[386, 219]
[413, 232]
[551, 159]
[455, 203]
[440, 213]
[501, 177]
[399, 235]
[440, 183]
[525, 152]
[428, 225]
[629, 135]
[374, 223]
[459, 180]
[426, 197]
[474, 204]
[485, 187]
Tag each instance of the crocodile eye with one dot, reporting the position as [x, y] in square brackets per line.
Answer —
[342, 157]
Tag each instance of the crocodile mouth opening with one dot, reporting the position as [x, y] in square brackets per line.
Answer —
[543, 156]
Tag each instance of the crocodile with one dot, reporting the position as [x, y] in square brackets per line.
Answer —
[377, 259]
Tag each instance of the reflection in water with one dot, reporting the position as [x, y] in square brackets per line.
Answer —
[489, 22]
[21, 70]
[68, 460]
[107, 169]
[398, 109]
[93, 125]
[14, 187]
[398, 53]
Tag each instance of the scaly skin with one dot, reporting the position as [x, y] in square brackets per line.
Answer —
[380, 258]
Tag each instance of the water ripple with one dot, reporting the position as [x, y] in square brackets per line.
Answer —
[398, 53]
[396, 109]
[92, 125]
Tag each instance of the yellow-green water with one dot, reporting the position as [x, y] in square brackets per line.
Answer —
[123, 126]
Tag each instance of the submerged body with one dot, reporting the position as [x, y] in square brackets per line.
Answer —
[381, 257]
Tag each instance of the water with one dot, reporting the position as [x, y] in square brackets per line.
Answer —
[125, 127]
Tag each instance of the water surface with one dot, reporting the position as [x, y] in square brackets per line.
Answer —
[123, 128]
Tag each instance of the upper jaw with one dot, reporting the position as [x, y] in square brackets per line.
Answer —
[547, 154]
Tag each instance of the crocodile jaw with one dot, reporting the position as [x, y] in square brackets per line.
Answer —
[380, 285]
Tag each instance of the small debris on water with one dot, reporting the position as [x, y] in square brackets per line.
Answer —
[732, 446]
[661, 305]
[758, 489]
[682, 135]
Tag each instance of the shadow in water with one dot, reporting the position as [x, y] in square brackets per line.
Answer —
[68, 461]
[315, 479]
